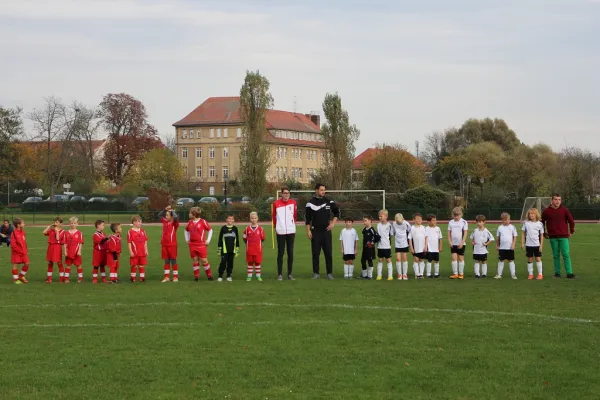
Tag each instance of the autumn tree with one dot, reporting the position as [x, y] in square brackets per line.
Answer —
[393, 169]
[86, 131]
[339, 136]
[255, 155]
[11, 127]
[486, 130]
[129, 134]
[158, 168]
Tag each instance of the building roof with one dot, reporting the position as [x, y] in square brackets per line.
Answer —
[363, 157]
[226, 111]
[293, 142]
[96, 144]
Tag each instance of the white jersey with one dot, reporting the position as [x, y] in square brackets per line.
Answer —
[418, 235]
[456, 230]
[505, 235]
[385, 231]
[434, 234]
[532, 231]
[401, 232]
[481, 236]
[349, 237]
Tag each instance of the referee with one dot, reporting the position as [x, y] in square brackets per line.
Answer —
[318, 228]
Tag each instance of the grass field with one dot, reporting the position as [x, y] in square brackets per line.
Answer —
[443, 339]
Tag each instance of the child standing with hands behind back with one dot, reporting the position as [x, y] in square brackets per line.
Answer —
[349, 247]
[480, 238]
[532, 242]
[254, 236]
[457, 237]
[138, 249]
[384, 249]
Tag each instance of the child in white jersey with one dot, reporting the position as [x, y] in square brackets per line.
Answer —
[418, 245]
[532, 241]
[401, 229]
[434, 245]
[384, 249]
[480, 238]
[457, 237]
[506, 240]
[349, 243]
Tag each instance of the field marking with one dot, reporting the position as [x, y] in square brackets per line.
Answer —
[342, 306]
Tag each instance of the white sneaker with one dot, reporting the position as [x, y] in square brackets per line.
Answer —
[229, 279]
[498, 277]
[220, 279]
[514, 277]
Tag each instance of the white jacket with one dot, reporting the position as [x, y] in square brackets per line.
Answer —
[284, 216]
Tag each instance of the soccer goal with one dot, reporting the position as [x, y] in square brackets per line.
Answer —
[534, 202]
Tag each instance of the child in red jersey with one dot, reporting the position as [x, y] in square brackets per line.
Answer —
[73, 244]
[195, 233]
[99, 254]
[254, 236]
[113, 252]
[19, 252]
[56, 247]
[138, 249]
[168, 241]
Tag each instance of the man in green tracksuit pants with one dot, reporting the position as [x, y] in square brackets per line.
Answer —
[560, 225]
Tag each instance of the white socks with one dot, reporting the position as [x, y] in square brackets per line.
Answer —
[379, 268]
[346, 269]
[370, 272]
[421, 268]
[364, 273]
[454, 267]
[476, 269]
[404, 267]
[399, 267]
[539, 267]
[530, 268]
[416, 268]
[390, 269]
[428, 269]
[461, 267]
[484, 269]
[350, 270]
[500, 267]
[511, 265]
[436, 268]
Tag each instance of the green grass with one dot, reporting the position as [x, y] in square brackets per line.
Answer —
[471, 339]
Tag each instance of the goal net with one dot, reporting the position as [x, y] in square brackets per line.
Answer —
[534, 202]
[353, 203]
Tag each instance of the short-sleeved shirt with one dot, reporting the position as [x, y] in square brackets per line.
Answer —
[197, 231]
[349, 237]
[505, 235]
[73, 240]
[401, 232]
[418, 235]
[137, 239]
[385, 231]
[532, 231]
[481, 236]
[434, 234]
[254, 236]
[456, 230]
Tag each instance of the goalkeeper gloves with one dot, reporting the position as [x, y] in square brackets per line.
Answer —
[219, 251]
[236, 251]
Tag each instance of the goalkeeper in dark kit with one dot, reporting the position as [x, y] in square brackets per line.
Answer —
[370, 237]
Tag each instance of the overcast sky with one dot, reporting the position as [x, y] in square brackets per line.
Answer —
[403, 68]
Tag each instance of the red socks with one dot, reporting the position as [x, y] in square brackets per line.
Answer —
[24, 270]
[196, 270]
[142, 269]
[168, 270]
[15, 273]
[207, 271]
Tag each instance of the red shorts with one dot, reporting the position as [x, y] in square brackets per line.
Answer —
[99, 259]
[256, 260]
[169, 252]
[135, 261]
[54, 253]
[111, 262]
[76, 260]
[19, 259]
[200, 252]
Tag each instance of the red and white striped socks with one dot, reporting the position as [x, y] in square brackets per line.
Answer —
[142, 271]
[207, 271]
[256, 269]
[15, 274]
[196, 270]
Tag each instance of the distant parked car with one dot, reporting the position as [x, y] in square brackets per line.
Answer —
[208, 200]
[270, 200]
[58, 198]
[77, 199]
[118, 200]
[246, 200]
[185, 202]
[227, 200]
[33, 200]
[139, 201]
[98, 200]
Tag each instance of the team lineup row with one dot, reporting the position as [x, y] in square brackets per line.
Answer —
[425, 243]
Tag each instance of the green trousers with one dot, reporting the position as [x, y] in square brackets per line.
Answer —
[561, 246]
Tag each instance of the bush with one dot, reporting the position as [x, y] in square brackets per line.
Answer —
[241, 211]
[427, 197]
[210, 211]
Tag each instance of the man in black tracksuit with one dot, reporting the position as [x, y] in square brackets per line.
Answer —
[318, 228]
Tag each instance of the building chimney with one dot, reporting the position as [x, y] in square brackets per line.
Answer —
[316, 119]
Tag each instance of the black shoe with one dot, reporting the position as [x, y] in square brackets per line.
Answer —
[436, 276]
[477, 277]
[367, 278]
[571, 276]
[557, 276]
[196, 279]
[210, 279]
[484, 276]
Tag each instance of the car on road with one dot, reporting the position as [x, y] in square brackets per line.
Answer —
[139, 200]
[185, 202]
[58, 198]
[208, 200]
[33, 200]
[98, 200]
[75, 199]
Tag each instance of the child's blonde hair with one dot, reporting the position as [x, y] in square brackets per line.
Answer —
[399, 218]
[73, 220]
[505, 215]
[537, 213]
[457, 211]
[136, 218]
[253, 214]
[384, 212]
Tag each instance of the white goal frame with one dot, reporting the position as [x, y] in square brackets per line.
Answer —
[538, 202]
[381, 191]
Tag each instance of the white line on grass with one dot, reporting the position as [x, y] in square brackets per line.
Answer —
[344, 306]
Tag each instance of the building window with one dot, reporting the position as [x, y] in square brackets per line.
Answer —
[198, 172]
[198, 134]
[212, 133]
[211, 152]
[300, 173]
[277, 172]
[285, 152]
[218, 132]
[239, 132]
[184, 134]
[198, 152]
[225, 172]
[191, 133]
[299, 154]
[225, 152]
[184, 152]
[293, 173]
[285, 172]
[211, 190]
[211, 171]
[225, 132]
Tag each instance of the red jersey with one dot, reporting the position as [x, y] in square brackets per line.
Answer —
[169, 232]
[55, 237]
[113, 245]
[99, 242]
[138, 240]
[254, 236]
[74, 242]
[18, 244]
[197, 232]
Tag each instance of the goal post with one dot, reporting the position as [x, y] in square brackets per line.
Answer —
[534, 202]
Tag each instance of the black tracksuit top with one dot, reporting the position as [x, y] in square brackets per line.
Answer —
[318, 212]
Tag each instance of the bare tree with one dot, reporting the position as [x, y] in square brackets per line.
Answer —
[171, 143]
[86, 131]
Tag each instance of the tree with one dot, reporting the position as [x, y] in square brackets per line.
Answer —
[339, 137]
[393, 169]
[129, 134]
[86, 131]
[171, 143]
[255, 155]
[156, 169]
[11, 127]
[486, 130]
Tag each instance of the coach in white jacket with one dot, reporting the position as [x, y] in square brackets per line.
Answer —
[285, 213]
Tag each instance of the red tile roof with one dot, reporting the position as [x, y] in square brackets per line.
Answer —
[363, 157]
[226, 111]
[56, 144]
